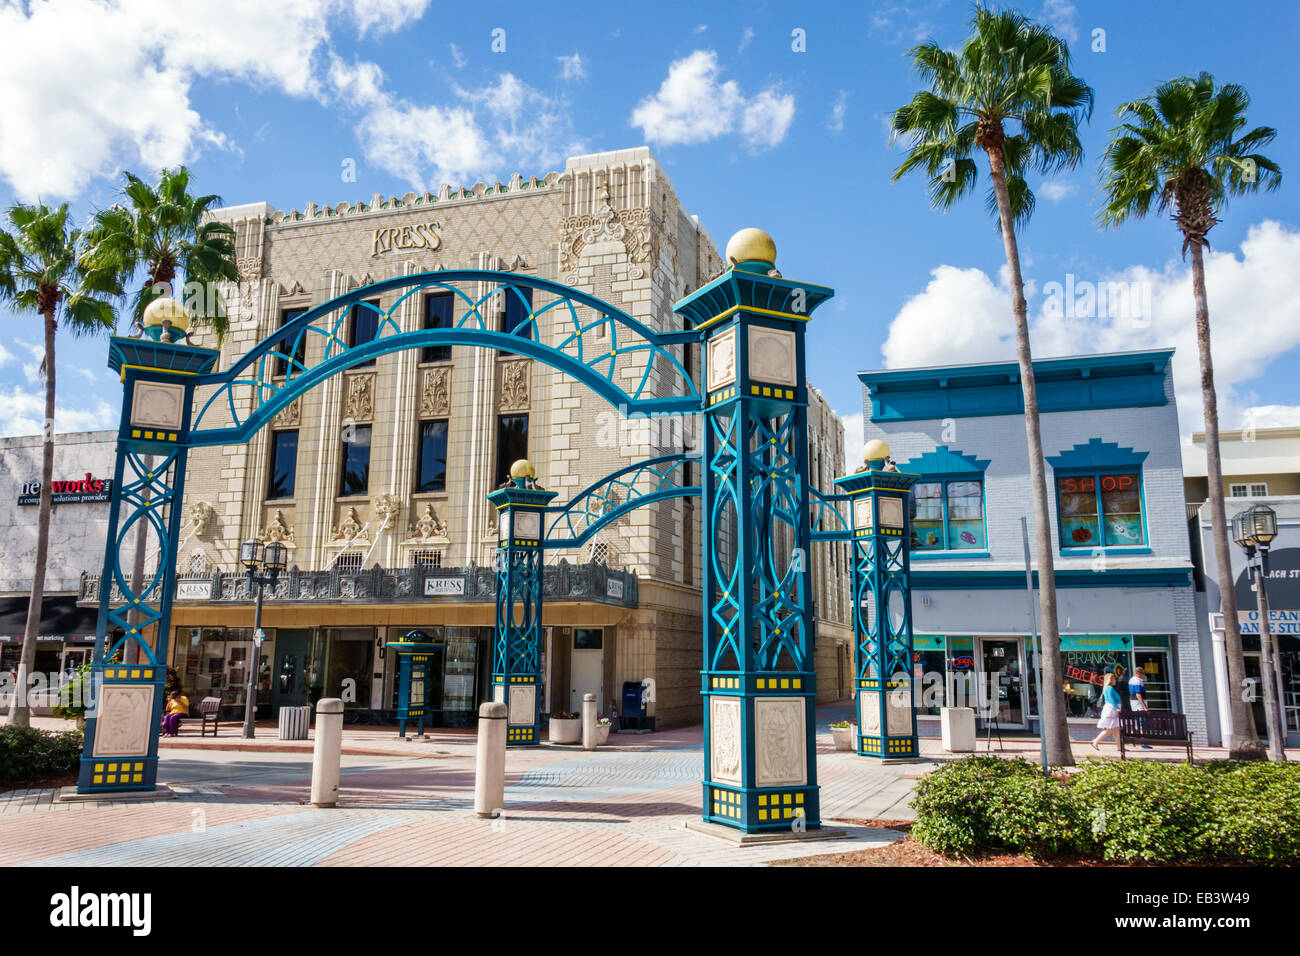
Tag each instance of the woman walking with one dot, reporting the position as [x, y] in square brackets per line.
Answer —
[1109, 722]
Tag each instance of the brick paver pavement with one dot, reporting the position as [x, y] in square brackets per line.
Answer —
[411, 804]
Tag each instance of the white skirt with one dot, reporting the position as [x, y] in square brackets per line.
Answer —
[1109, 717]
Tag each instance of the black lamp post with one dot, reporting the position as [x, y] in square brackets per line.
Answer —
[262, 565]
[1254, 530]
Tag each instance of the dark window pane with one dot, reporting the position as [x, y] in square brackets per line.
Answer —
[433, 456]
[517, 312]
[365, 326]
[437, 315]
[356, 462]
[1077, 499]
[1121, 506]
[283, 347]
[284, 464]
[512, 443]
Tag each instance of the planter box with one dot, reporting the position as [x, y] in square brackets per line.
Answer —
[564, 731]
[844, 737]
[602, 734]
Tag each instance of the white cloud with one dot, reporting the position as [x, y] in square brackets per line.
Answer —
[458, 58]
[571, 67]
[853, 441]
[693, 106]
[1254, 297]
[700, 27]
[384, 16]
[118, 91]
[494, 130]
[1271, 416]
[836, 123]
[361, 84]
[1060, 16]
[746, 37]
[23, 410]
[1054, 190]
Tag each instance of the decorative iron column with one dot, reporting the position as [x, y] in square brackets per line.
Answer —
[759, 678]
[120, 751]
[882, 606]
[516, 655]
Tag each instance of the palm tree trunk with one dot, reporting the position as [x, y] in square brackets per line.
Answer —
[21, 715]
[1051, 696]
[1245, 744]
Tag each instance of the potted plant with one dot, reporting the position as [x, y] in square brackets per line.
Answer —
[73, 698]
[602, 731]
[843, 732]
[564, 727]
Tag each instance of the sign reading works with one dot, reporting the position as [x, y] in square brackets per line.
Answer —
[82, 491]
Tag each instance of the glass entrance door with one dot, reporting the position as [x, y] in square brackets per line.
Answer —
[1003, 679]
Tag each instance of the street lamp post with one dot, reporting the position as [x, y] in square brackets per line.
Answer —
[1254, 530]
[262, 565]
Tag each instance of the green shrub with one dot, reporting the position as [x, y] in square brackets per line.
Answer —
[30, 754]
[955, 810]
[1254, 812]
[1143, 810]
[1114, 810]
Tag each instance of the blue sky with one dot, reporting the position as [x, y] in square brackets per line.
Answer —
[269, 101]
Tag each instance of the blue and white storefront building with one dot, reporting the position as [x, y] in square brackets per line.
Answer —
[1123, 564]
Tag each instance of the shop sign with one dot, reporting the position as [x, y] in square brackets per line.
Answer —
[927, 642]
[614, 588]
[422, 235]
[444, 587]
[1279, 621]
[82, 491]
[961, 663]
[193, 590]
[1096, 642]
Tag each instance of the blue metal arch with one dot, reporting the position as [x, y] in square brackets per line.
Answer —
[578, 508]
[594, 364]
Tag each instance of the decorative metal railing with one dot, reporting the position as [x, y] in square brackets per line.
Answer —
[561, 581]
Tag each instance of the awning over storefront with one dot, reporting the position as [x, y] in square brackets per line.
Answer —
[61, 619]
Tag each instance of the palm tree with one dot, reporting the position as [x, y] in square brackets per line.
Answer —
[40, 272]
[1184, 148]
[164, 231]
[1010, 94]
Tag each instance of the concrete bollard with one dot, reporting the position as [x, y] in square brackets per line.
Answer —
[490, 759]
[588, 721]
[326, 754]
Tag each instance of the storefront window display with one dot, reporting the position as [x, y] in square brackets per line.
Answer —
[948, 516]
[214, 662]
[1100, 510]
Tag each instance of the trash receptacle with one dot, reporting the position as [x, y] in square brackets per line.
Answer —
[294, 722]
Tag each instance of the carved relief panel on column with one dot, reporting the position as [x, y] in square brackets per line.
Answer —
[359, 400]
[513, 386]
[435, 392]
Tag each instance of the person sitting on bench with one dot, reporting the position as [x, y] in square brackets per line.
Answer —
[178, 706]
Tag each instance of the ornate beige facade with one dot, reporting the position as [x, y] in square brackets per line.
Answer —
[611, 225]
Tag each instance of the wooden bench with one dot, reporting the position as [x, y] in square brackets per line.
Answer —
[208, 711]
[1154, 727]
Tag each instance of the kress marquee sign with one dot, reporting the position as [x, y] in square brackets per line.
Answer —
[82, 491]
[422, 235]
